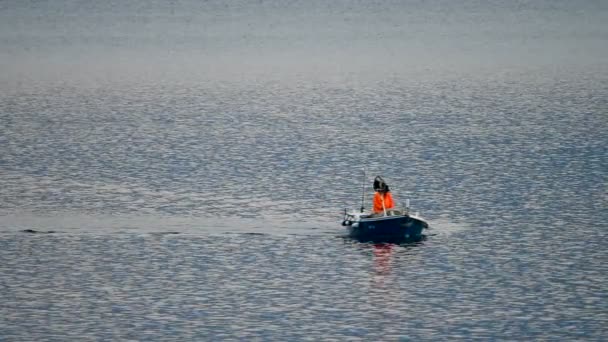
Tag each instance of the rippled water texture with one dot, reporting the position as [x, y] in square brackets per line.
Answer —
[178, 171]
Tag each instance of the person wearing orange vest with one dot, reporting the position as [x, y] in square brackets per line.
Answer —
[382, 198]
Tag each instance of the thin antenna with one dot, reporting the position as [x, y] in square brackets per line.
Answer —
[363, 194]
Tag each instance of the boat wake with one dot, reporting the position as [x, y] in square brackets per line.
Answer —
[77, 223]
[444, 226]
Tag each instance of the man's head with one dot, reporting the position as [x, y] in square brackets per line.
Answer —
[380, 185]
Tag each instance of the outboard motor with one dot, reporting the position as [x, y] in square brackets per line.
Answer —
[345, 221]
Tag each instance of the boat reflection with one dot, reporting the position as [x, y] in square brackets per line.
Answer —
[385, 257]
[382, 262]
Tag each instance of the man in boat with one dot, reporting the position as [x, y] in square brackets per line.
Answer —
[382, 198]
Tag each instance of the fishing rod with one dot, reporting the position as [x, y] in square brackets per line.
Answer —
[363, 193]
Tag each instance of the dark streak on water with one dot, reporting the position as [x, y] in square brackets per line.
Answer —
[177, 171]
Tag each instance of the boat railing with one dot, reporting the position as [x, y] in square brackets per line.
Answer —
[354, 215]
[395, 212]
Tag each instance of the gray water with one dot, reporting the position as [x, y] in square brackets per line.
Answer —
[177, 170]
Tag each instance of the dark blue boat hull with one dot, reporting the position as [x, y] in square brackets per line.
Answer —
[388, 229]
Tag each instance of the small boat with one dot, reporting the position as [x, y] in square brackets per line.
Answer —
[389, 225]
[394, 225]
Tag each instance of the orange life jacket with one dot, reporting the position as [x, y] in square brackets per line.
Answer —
[388, 202]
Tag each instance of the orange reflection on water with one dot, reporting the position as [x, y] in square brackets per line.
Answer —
[383, 253]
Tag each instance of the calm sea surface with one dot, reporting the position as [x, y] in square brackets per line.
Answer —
[177, 170]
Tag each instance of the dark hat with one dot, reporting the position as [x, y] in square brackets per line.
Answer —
[380, 185]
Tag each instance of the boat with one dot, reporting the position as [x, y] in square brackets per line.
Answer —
[389, 225]
[394, 225]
